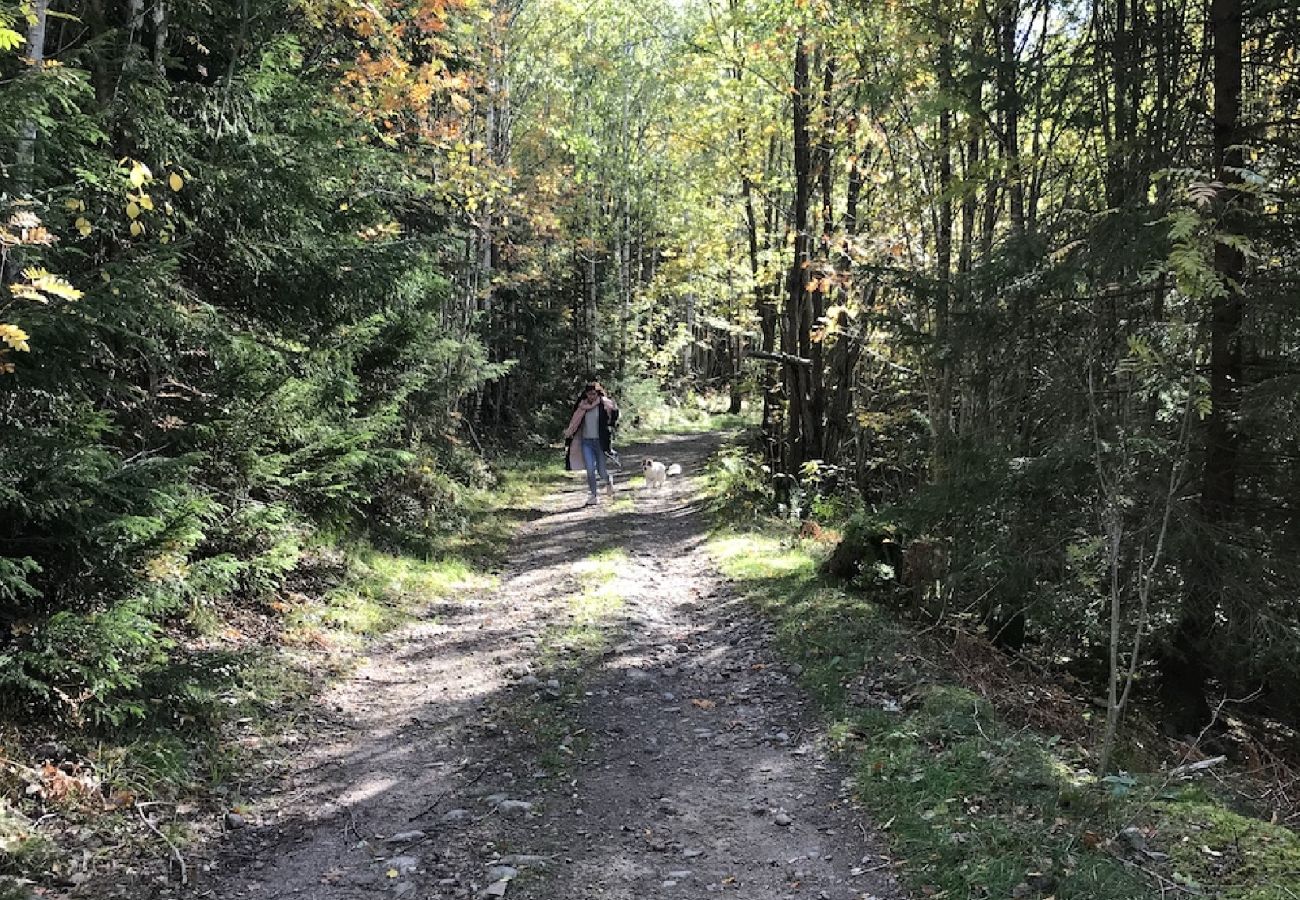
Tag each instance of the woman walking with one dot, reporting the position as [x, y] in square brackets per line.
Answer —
[589, 440]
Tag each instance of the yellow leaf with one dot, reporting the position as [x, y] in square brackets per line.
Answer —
[136, 229]
[133, 212]
[462, 105]
[10, 40]
[176, 182]
[14, 336]
[47, 284]
[391, 873]
[83, 226]
[146, 201]
[139, 174]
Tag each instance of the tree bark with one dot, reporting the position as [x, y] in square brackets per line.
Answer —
[160, 37]
[26, 155]
[1009, 106]
[941, 411]
[795, 339]
[1188, 669]
[818, 299]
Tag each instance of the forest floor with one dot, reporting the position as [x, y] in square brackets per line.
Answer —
[607, 720]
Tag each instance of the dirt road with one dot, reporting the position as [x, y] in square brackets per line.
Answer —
[605, 722]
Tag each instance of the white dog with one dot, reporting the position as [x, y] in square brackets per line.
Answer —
[657, 474]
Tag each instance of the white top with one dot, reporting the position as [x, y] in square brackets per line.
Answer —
[591, 423]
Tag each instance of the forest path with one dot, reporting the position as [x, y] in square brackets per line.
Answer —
[605, 722]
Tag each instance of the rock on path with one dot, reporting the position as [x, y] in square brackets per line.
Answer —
[682, 762]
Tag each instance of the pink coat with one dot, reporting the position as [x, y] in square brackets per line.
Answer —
[576, 462]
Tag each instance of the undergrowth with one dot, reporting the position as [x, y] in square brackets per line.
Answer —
[239, 681]
[973, 807]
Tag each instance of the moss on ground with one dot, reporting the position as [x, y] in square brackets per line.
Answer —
[694, 417]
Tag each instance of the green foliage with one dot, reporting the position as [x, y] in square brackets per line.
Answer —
[740, 486]
[972, 806]
[263, 350]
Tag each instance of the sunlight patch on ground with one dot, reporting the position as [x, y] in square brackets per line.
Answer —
[382, 592]
[567, 652]
[750, 556]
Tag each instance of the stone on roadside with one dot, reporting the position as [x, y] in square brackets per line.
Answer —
[404, 865]
[405, 837]
[497, 888]
[524, 860]
[502, 873]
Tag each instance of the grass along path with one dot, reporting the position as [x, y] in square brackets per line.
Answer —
[975, 807]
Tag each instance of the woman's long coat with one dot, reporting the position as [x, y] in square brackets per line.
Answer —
[573, 449]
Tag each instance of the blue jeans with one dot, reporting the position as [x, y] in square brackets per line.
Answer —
[594, 458]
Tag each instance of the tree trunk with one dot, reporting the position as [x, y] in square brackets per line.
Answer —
[794, 333]
[1009, 106]
[160, 37]
[941, 411]
[26, 156]
[1189, 668]
[818, 299]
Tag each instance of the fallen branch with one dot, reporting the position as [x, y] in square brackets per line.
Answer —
[447, 793]
[1197, 766]
[176, 854]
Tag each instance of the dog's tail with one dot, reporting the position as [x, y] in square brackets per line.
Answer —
[674, 469]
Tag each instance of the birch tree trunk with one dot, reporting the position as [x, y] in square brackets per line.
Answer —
[941, 411]
[160, 37]
[26, 156]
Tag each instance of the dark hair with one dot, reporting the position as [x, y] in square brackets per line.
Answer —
[593, 386]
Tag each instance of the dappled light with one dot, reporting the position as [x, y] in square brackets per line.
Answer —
[600, 449]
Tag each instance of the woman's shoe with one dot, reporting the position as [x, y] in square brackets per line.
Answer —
[592, 500]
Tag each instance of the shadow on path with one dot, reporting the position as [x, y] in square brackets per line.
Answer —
[668, 756]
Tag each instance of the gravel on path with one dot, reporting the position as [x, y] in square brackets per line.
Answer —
[663, 752]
